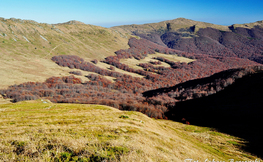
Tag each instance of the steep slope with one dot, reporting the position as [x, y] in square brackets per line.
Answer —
[176, 25]
[186, 27]
[197, 88]
[242, 41]
[180, 25]
[42, 131]
[27, 46]
[236, 110]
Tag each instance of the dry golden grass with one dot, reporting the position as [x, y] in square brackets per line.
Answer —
[23, 61]
[249, 25]
[133, 63]
[4, 101]
[107, 66]
[17, 70]
[37, 131]
[173, 57]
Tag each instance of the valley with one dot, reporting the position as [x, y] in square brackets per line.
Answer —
[174, 71]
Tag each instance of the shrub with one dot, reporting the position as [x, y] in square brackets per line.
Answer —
[75, 72]
[94, 61]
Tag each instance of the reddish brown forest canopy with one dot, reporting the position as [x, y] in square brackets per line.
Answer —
[137, 94]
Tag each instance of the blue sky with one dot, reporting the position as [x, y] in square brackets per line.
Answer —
[119, 12]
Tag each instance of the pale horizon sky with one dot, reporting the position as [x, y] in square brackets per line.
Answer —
[109, 13]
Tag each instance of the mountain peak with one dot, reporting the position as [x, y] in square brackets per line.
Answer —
[183, 19]
[181, 25]
[73, 22]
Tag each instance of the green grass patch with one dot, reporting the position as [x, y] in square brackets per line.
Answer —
[234, 143]
[124, 117]
[191, 128]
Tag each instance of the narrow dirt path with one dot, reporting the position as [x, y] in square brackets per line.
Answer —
[53, 49]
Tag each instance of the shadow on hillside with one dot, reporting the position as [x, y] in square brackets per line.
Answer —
[191, 83]
[237, 110]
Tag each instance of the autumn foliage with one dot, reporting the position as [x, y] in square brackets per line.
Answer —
[132, 93]
[238, 42]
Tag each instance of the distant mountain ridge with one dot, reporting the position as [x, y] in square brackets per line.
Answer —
[179, 25]
[204, 38]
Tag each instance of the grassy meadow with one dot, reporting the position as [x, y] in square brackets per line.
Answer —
[43, 131]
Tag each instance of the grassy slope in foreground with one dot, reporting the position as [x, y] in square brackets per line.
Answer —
[33, 131]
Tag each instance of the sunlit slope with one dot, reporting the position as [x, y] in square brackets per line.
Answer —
[39, 130]
[27, 46]
[179, 25]
[249, 25]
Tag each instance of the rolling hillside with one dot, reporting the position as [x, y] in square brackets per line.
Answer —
[152, 31]
[27, 46]
[236, 110]
[169, 70]
[179, 25]
[238, 40]
[43, 131]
